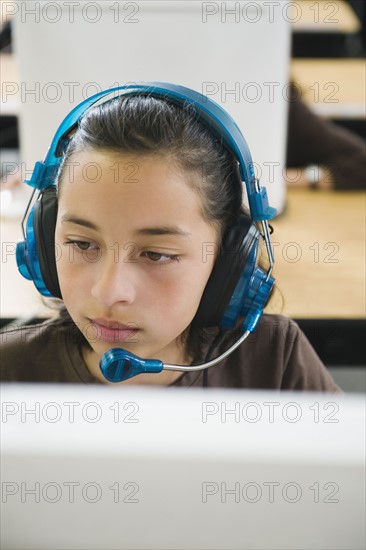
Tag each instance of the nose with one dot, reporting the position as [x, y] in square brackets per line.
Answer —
[114, 282]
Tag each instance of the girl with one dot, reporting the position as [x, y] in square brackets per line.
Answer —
[142, 211]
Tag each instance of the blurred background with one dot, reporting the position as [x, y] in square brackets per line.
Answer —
[292, 75]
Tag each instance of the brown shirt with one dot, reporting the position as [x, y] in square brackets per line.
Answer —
[276, 356]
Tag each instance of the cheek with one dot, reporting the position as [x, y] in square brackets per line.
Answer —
[68, 285]
[63, 270]
[177, 297]
[73, 281]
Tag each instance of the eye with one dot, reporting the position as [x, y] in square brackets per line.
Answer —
[82, 246]
[157, 257]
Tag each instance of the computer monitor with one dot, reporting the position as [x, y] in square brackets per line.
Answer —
[236, 53]
[87, 467]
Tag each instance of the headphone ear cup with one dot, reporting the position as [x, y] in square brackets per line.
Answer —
[237, 246]
[44, 223]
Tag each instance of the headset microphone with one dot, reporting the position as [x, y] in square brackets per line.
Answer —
[118, 364]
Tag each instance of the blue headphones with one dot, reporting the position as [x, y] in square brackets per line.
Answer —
[237, 286]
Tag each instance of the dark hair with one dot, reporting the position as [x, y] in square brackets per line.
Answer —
[146, 125]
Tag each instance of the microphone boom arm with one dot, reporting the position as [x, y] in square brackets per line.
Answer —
[210, 363]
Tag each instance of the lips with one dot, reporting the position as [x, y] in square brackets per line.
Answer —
[113, 331]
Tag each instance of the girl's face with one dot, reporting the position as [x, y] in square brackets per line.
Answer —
[134, 254]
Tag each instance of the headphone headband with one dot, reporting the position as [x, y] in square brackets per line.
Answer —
[214, 116]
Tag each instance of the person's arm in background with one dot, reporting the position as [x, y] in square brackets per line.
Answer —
[331, 156]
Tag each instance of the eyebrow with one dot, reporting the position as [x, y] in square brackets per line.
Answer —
[163, 230]
[79, 221]
[166, 230]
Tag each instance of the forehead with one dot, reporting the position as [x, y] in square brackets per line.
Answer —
[114, 172]
[115, 185]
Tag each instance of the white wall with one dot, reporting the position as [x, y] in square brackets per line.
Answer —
[235, 52]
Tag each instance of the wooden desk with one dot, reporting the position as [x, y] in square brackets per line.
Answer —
[332, 87]
[320, 259]
[320, 255]
[324, 16]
